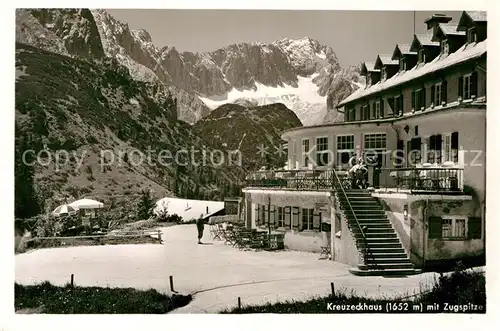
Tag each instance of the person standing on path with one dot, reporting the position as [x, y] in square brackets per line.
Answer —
[200, 225]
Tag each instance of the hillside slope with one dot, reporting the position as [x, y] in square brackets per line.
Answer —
[96, 110]
[253, 130]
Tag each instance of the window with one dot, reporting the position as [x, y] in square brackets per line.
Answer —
[307, 219]
[450, 147]
[402, 64]
[418, 99]
[397, 105]
[322, 151]
[421, 56]
[445, 47]
[345, 149]
[414, 151]
[351, 114]
[368, 79]
[384, 73]
[281, 217]
[471, 35]
[454, 227]
[377, 113]
[436, 94]
[375, 141]
[305, 152]
[447, 148]
[467, 86]
[434, 146]
[365, 112]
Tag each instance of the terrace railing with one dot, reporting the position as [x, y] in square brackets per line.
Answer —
[292, 179]
[442, 180]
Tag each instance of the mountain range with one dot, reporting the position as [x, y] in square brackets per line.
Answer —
[300, 73]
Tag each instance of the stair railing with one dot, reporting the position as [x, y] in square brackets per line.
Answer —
[340, 189]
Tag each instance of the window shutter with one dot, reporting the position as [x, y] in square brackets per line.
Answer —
[444, 91]
[288, 217]
[367, 115]
[382, 108]
[435, 227]
[373, 110]
[413, 100]
[473, 89]
[433, 90]
[454, 140]
[460, 87]
[423, 92]
[295, 218]
[257, 214]
[401, 104]
[475, 228]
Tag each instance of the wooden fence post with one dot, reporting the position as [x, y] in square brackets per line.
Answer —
[333, 288]
[239, 303]
[159, 235]
[172, 283]
[72, 280]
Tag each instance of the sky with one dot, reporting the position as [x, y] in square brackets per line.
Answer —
[355, 36]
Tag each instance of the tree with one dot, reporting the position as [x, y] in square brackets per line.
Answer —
[145, 206]
[26, 202]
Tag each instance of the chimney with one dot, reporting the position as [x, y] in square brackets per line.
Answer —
[433, 21]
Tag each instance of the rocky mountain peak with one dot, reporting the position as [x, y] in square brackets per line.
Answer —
[142, 35]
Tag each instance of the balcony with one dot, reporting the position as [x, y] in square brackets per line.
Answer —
[408, 180]
[422, 180]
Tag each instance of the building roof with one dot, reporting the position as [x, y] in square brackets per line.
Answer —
[384, 60]
[189, 209]
[402, 49]
[425, 39]
[469, 18]
[466, 52]
[477, 16]
[367, 67]
[446, 29]
[450, 29]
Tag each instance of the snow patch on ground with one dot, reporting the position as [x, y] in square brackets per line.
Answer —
[188, 209]
[306, 90]
[303, 100]
[134, 101]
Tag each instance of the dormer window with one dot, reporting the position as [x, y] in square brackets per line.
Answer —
[471, 35]
[445, 47]
[401, 65]
[384, 73]
[368, 80]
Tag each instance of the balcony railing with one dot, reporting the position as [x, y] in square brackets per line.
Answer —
[422, 179]
[295, 179]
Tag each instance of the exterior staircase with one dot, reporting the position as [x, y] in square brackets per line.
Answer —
[384, 254]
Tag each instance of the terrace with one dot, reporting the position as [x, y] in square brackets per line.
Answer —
[420, 180]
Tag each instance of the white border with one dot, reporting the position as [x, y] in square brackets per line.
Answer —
[8, 321]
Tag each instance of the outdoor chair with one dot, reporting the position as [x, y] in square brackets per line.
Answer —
[325, 252]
